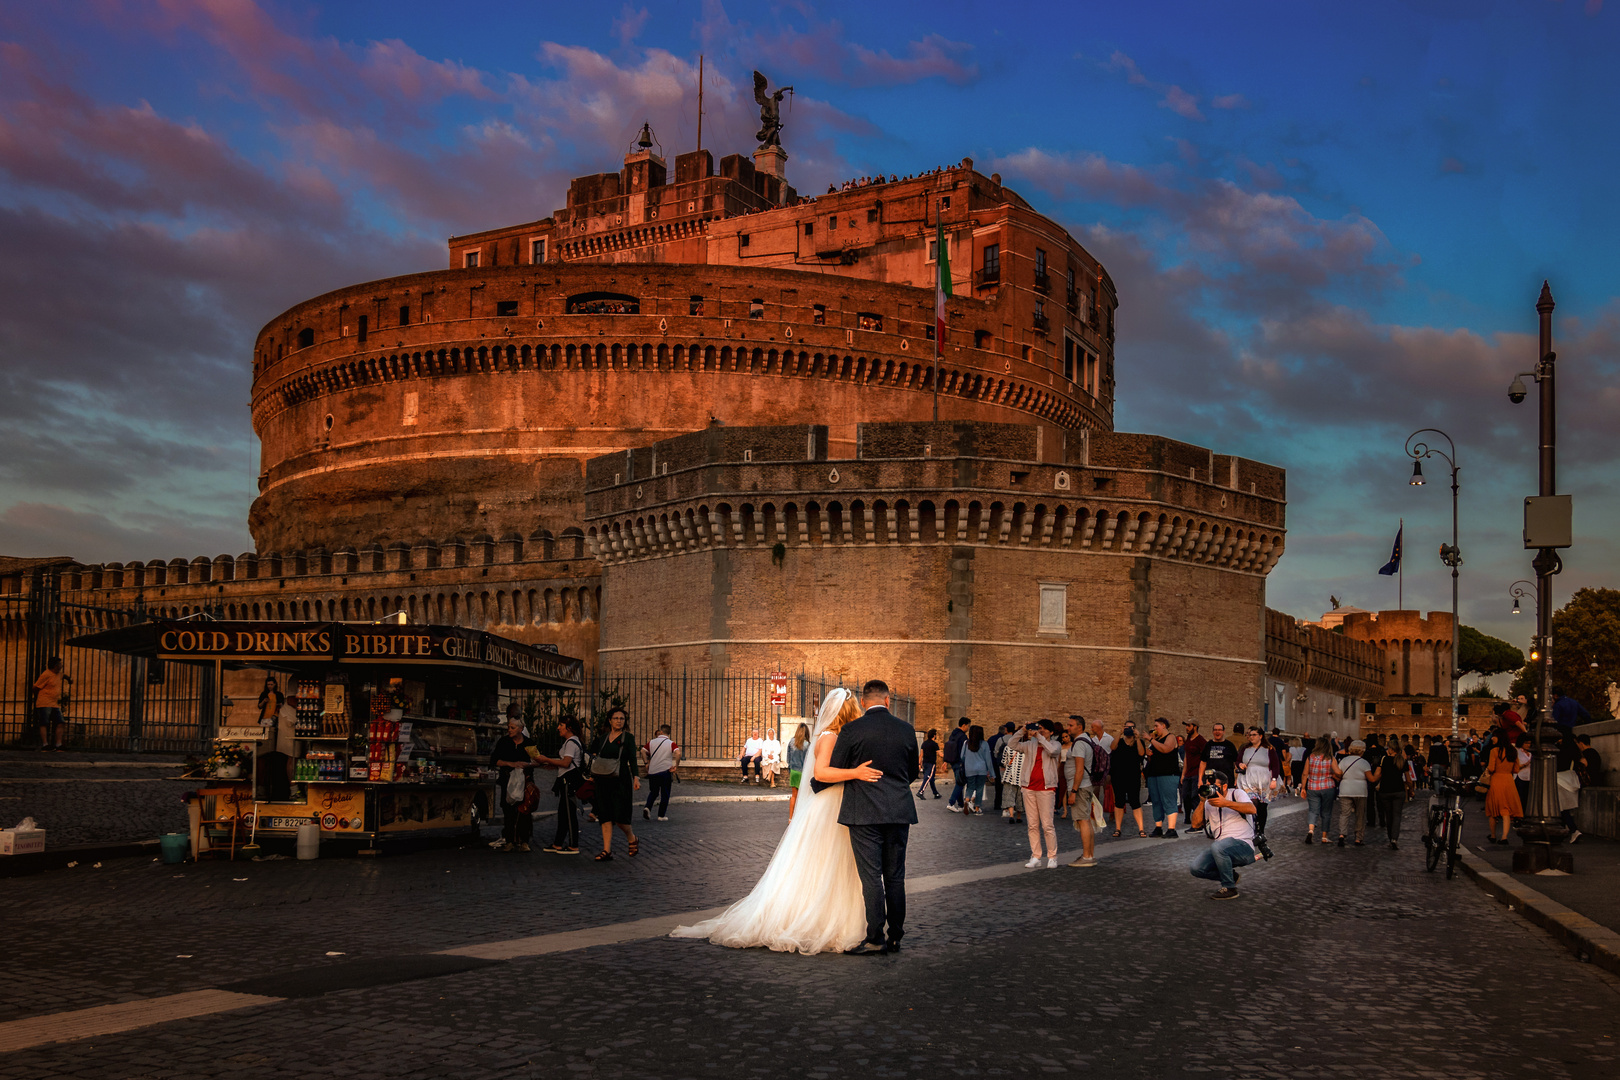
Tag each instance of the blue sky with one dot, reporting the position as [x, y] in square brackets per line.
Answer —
[1328, 224]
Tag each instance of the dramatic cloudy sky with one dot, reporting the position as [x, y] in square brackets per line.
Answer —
[1328, 223]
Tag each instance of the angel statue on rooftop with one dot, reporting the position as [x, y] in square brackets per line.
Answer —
[770, 112]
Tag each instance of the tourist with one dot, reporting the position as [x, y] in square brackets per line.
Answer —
[1521, 777]
[1125, 777]
[771, 755]
[1066, 788]
[1568, 781]
[797, 747]
[977, 764]
[565, 840]
[996, 742]
[753, 754]
[1375, 754]
[613, 771]
[1296, 766]
[663, 754]
[1390, 787]
[1502, 796]
[1162, 774]
[1099, 735]
[1038, 741]
[1439, 757]
[1590, 768]
[1321, 789]
[1566, 711]
[49, 690]
[1192, 763]
[928, 755]
[1086, 799]
[1258, 769]
[1353, 770]
[1218, 755]
[511, 755]
[953, 758]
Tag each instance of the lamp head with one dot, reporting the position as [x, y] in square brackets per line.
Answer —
[1516, 390]
[1417, 474]
[1515, 605]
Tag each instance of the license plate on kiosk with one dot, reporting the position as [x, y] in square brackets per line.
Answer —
[287, 822]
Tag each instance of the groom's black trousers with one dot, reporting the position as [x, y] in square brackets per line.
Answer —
[880, 858]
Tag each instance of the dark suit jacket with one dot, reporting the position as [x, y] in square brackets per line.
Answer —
[890, 744]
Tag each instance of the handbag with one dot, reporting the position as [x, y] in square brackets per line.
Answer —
[514, 786]
[602, 765]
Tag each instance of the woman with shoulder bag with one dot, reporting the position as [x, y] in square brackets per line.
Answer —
[615, 773]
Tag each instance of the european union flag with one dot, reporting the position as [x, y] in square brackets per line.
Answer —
[1394, 564]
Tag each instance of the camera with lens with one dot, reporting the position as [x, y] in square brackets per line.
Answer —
[1212, 788]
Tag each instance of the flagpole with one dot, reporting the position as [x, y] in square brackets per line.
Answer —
[939, 343]
[1400, 588]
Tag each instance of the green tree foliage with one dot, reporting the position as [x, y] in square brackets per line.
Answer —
[1585, 631]
[1485, 655]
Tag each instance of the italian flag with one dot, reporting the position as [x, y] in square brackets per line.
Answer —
[942, 284]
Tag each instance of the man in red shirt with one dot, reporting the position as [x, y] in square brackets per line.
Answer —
[1192, 760]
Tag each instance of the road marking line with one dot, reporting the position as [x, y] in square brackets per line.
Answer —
[125, 1016]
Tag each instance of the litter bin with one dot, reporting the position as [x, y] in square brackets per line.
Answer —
[309, 841]
[175, 847]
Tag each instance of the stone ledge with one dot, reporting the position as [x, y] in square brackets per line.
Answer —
[1589, 941]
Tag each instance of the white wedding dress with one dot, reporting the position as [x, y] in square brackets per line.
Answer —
[809, 898]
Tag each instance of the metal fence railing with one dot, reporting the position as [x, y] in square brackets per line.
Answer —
[114, 702]
[709, 715]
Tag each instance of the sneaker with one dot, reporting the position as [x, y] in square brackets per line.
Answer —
[1158, 830]
[568, 851]
[646, 814]
[1224, 894]
[921, 797]
[1006, 813]
[523, 847]
[1033, 863]
[1051, 864]
[1393, 846]
[954, 809]
[1171, 835]
[1084, 862]
[663, 819]
[553, 849]
[1575, 837]
[937, 795]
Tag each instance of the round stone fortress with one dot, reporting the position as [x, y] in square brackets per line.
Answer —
[465, 402]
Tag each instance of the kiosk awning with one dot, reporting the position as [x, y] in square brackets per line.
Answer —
[291, 646]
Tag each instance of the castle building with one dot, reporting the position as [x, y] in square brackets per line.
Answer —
[688, 422]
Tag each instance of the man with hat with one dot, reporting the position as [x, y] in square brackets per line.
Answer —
[1192, 761]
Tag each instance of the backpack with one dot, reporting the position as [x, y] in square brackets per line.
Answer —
[1099, 761]
[953, 747]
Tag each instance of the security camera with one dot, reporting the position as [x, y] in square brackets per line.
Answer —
[1516, 390]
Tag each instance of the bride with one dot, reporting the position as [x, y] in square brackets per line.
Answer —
[809, 899]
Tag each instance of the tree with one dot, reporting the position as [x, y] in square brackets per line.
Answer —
[1586, 631]
[1485, 655]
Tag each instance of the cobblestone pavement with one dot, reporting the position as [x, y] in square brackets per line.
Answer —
[1335, 961]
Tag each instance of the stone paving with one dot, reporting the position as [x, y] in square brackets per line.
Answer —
[1334, 962]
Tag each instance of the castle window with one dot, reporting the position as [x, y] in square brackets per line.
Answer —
[945, 203]
[694, 305]
[818, 314]
[868, 321]
[603, 303]
[929, 332]
[809, 228]
[1417, 709]
[365, 327]
[404, 314]
[1068, 358]
[992, 262]
[832, 222]
[871, 215]
[756, 308]
[537, 251]
[742, 240]
[505, 308]
[1054, 608]
[981, 339]
[469, 259]
[306, 337]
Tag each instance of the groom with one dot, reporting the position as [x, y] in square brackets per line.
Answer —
[879, 814]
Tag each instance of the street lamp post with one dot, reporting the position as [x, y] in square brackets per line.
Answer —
[1417, 449]
[1519, 590]
[1541, 826]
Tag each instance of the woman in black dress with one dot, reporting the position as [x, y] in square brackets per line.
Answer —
[615, 747]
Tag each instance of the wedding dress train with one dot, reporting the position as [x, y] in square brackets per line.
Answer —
[809, 898]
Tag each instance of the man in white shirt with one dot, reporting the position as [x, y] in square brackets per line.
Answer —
[770, 748]
[1101, 737]
[1232, 845]
[663, 754]
[753, 751]
[569, 775]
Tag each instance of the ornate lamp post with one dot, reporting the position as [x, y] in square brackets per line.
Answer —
[1519, 590]
[1541, 827]
[1418, 449]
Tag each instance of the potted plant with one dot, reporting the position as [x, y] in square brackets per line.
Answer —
[227, 760]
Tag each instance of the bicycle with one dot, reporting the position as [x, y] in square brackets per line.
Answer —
[1445, 822]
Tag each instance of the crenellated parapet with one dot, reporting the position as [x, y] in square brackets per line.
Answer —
[983, 485]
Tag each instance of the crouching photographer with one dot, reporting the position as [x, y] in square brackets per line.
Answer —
[1225, 813]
